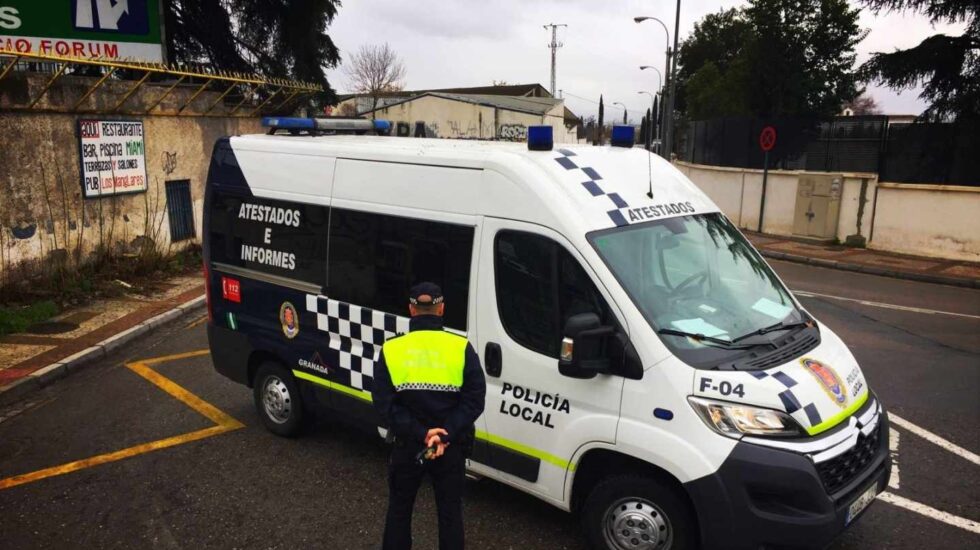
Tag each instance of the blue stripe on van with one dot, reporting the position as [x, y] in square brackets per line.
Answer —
[592, 186]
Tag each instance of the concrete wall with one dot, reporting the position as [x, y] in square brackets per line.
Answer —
[927, 220]
[738, 193]
[446, 118]
[42, 213]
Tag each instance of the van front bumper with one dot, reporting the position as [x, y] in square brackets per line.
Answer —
[766, 498]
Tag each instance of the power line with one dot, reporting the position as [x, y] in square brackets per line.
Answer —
[567, 93]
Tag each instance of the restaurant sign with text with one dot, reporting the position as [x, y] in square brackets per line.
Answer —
[90, 29]
[113, 155]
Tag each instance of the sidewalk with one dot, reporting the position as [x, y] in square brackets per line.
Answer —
[862, 260]
[49, 349]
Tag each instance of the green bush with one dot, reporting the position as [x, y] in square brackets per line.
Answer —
[16, 319]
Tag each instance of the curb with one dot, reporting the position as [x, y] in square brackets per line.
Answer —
[55, 371]
[872, 270]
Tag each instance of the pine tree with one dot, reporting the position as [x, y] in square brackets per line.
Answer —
[644, 129]
[655, 120]
[949, 66]
[272, 38]
[602, 113]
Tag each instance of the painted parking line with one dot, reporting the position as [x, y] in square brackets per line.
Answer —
[808, 294]
[223, 423]
[934, 439]
[930, 512]
[894, 482]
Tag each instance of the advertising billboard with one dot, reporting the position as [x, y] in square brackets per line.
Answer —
[113, 156]
[106, 29]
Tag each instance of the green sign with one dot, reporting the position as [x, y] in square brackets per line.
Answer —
[109, 29]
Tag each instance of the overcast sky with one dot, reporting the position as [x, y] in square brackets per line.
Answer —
[474, 42]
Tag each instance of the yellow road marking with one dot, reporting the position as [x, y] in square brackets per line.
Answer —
[193, 324]
[224, 423]
[174, 357]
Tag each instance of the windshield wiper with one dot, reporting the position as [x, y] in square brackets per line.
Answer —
[773, 328]
[702, 338]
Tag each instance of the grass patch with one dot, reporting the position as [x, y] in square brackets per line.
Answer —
[17, 319]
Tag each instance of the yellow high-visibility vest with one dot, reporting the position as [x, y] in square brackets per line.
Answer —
[426, 360]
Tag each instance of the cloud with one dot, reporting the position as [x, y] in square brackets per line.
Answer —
[473, 43]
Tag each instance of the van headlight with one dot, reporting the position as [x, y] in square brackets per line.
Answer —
[735, 420]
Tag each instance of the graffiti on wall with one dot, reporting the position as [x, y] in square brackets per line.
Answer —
[169, 162]
[512, 132]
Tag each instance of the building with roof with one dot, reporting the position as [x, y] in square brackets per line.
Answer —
[354, 104]
[486, 112]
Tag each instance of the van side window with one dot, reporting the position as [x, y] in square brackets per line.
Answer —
[282, 238]
[375, 259]
[539, 286]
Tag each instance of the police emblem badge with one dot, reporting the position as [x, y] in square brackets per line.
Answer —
[289, 320]
[828, 379]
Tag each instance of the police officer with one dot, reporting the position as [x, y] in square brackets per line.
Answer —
[429, 390]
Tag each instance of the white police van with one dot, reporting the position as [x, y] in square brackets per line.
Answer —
[645, 367]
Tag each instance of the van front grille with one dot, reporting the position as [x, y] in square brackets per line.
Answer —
[841, 470]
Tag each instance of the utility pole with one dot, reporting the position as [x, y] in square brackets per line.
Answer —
[555, 44]
[669, 111]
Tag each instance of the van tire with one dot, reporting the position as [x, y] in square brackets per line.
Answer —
[278, 401]
[646, 507]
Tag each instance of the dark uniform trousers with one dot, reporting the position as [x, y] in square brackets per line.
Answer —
[405, 474]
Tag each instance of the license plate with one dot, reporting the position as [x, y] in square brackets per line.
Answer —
[862, 502]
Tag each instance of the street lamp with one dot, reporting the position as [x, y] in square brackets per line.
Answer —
[660, 77]
[624, 110]
[671, 76]
[660, 83]
[646, 17]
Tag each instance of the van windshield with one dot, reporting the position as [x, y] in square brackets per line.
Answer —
[697, 275]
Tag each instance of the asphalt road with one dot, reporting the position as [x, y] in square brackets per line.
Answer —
[245, 488]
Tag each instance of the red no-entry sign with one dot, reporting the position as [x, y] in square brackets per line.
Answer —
[767, 138]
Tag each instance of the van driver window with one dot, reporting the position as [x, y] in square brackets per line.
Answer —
[539, 286]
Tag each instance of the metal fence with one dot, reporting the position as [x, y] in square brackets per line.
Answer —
[237, 94]
[946, 153]
[902, 153]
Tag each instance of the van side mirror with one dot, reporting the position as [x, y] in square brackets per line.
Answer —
[583, 348]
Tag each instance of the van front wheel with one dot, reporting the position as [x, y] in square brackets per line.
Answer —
[277, 400]
[638, 513]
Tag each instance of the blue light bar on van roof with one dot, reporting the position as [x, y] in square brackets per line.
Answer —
[539, 138]
[334, 125]
[623, 136]
[288, 123]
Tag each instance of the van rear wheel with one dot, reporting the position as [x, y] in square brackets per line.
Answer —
[638, 513]
[277, 400]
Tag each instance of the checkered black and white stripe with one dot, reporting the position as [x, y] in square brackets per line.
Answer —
[591, 184]
[427, 387]
[356, 333]
[789, 399]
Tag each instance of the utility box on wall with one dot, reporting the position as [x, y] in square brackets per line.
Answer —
[817, 206]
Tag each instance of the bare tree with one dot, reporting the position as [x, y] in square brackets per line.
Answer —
[863, 104]
[375, 69]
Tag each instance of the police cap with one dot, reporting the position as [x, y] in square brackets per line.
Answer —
[425, 294]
